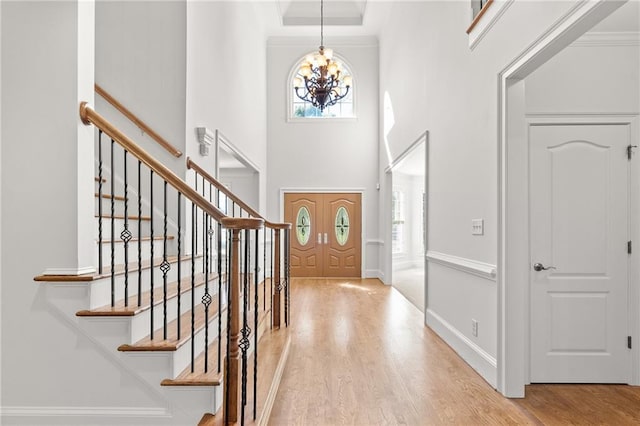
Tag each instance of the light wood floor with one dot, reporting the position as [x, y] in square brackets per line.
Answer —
[360, 355]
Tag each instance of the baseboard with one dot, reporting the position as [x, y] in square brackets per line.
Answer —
[34, 411]
[373, 273]
[275, 384]
[473, 354]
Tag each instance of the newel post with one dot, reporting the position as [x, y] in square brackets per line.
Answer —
[232, 362]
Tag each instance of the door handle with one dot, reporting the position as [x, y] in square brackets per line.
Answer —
[326, 238]
[319, 238]
[540, 267]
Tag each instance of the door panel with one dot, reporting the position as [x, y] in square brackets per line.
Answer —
[342, 224]
[579, 225]
[333, 246]
[306, 251]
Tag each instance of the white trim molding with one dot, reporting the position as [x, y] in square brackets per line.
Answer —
[602, 39]
[70, 271]
[488, 20]
[376, 242]
[53, 411]
[205, 138]
[469, 266]
[481, 361]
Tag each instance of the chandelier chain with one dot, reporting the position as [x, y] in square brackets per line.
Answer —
[321, 23]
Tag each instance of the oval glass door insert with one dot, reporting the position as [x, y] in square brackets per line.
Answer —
[303, 226]
[342, 226]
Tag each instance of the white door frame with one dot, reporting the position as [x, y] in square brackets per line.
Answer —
[335, 191]
[513, 195]
[423, 138]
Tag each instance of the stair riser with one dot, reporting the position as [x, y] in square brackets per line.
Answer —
[140, 324]
[118, 206]
[118, 226]
[119, 250]
[182, 356]
[100, 290]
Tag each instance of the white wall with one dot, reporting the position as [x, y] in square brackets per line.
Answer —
[588, 77]
[453, 93]
[141, 61]
[226, 81]
[325, 154]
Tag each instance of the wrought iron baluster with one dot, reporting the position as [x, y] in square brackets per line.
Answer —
[271, 280]
[246, 331]
[194, 231]
[287, 272]
[206, 301]
[264, 269]
[139, 232]
[164, 266]
[227, 379]
[113, 234]
[219, 296]
[179, 261]
[125, 235]
[100, 201]
[255, 327]
[152, 258]
[204, 231]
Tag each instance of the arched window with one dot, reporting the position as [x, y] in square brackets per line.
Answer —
[300, 109]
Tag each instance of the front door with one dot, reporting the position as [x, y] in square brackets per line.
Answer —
[326, 236]
[579, 285]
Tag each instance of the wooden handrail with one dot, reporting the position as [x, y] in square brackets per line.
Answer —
[135, 120]
[479, 16]
[193, 166]
[90, 116]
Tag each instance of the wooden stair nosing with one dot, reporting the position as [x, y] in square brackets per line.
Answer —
[109, 196]
[97, 179]
[120, 310]
[186, 378]
[119, 270]
[172, 343]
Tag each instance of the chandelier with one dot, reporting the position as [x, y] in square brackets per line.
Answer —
[323, 84]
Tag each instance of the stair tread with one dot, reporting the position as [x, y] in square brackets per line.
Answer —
[130, 217]
[145, 303]
[106, 272]
[109, 196]
[213, 378]
[172, 343]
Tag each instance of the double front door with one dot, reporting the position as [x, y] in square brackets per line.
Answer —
[326, 234]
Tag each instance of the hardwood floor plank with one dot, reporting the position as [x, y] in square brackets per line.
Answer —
[361, 355]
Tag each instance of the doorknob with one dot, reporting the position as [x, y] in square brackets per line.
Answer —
[319, 238]
[540, 267]
[326, 240]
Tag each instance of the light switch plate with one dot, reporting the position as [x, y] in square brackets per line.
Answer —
[477, 226]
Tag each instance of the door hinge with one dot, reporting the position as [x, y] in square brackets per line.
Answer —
[629, 342]
[629, 247]
[630, 151]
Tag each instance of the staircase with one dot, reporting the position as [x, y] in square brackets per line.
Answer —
[187, 293]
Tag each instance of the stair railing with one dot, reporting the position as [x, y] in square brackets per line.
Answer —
[188, 322]
[144, 127]
[275, 238]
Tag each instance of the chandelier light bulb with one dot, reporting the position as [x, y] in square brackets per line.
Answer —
[297, 82]
[328, 53]
[305, 70]
[332, 68]
[347, 80]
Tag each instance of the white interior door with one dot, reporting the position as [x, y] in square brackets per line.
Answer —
[579, 212]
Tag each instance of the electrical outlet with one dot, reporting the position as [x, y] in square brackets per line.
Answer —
[477, 226]
[474, 327]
